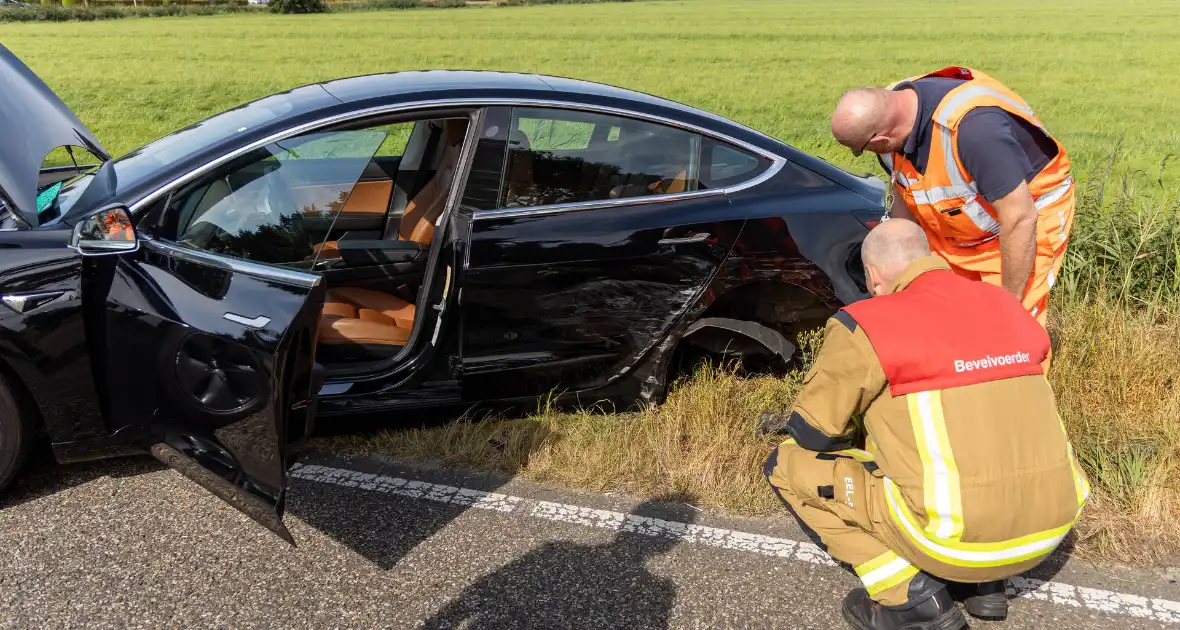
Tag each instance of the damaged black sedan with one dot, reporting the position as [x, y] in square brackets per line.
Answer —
[378, 243]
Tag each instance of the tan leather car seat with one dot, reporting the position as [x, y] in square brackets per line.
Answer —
[417, 222]
[421, 213]
[365, 317]
[521, 182]
[677, 184]
[667, 186]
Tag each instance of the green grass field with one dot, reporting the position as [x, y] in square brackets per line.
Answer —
[1092, 70]
[1100, 75]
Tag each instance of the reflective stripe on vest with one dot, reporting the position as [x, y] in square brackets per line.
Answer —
[953, 103]
[1054, 194]
[961, 188]
[946, 188]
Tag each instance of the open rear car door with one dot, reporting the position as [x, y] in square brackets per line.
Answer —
[209, 361]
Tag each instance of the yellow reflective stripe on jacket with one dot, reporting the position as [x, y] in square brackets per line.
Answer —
[884, 572]
[1079, 479]
[1081, 485]
[940, 474]
[964, 554]
[855, 453]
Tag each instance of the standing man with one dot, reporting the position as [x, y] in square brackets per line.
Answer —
[976, 169]
[966, 474]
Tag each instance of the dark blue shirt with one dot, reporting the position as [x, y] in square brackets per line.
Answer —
[999, 150]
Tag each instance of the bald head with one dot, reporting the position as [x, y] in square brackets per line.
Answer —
[889, 249]
[874, 119]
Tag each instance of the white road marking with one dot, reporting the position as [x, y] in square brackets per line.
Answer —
[407, 488]
[1154, 609]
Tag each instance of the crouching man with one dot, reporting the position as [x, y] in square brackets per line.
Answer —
[965, 475]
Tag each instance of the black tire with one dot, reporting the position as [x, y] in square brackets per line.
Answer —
[16, 433]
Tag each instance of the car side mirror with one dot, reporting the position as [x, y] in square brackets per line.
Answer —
[107, 232]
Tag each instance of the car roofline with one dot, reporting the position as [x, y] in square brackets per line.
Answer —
[641, 103]
[508, 89]
[138, 205]
[529, 82]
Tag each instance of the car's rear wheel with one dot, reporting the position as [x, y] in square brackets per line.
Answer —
[16, 433]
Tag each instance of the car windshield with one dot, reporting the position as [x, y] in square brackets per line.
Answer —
[197, 137]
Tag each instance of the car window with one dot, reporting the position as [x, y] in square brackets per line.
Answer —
[199, 137]
[563, 156]
[723, 164]
[277, 203]
[397, 136]
[556, 135]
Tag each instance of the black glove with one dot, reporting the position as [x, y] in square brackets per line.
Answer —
[771, 423]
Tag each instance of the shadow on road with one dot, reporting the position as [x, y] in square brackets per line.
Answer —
[382, 528]
[42, 476]
[573, 585]
[1051, 566]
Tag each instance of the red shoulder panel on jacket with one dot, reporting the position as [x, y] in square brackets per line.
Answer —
[945, 331]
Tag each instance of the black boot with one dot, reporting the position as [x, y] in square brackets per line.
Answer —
[986, 600]
[930, 607]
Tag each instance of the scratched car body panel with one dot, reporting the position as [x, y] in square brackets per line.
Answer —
[397, 241]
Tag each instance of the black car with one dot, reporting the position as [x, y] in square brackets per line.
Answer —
[384, 242]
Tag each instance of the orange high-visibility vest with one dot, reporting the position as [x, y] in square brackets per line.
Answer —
[945, 200]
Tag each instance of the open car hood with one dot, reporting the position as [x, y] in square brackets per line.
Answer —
[33, 122]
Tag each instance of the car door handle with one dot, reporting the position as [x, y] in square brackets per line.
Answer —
[695, 238]
[21, 302]
[257, 322]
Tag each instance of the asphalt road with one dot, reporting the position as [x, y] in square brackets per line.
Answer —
[128, 543]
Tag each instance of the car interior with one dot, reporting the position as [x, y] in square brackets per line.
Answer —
[595, 161]
[374, 276]
[361, 208]
[373, 283]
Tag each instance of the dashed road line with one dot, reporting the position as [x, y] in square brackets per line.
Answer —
[1154, 609]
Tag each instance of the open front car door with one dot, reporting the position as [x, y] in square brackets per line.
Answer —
[209, 359]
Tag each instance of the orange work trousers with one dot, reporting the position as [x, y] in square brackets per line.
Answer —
[982, 262]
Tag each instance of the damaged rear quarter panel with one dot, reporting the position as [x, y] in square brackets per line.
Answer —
[803, 234]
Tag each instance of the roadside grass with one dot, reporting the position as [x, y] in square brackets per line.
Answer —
[1116, 375]
[1099, 81]
[700, 442]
